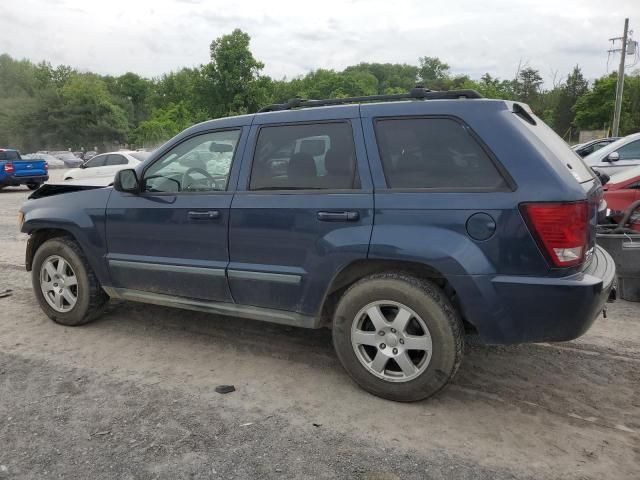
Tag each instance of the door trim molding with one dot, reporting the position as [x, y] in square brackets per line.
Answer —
[290, 279]
[161, 267]
[282, 317]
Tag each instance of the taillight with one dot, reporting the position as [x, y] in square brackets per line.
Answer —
[8, 167]
[560, 229]
[46, 166]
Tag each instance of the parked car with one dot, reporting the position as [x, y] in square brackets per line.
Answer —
[15, 171]
[584, 149]
[106, 165]
[52, 161]
[411, 222]
[621, 191]
[69, 159]
[617, 156]
[89, 155]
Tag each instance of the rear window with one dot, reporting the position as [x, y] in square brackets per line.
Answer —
[439, 153]
[9, 155]
[581, 172]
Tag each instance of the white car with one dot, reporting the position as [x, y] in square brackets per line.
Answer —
[103, 167]
[617, 156]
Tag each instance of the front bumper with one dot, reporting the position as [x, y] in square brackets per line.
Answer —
[518, 309]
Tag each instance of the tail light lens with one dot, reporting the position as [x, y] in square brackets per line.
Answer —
[560, 229]
[46, 166]
[8, 167]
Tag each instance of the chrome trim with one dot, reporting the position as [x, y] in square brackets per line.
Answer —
[287, 278]
[220, 308]
[161, 267]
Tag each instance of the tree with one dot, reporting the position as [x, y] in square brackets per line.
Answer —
[527, 86]
[563, 113]
[230, 76]
[433, 73]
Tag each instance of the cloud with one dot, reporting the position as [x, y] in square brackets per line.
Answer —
[152, 37]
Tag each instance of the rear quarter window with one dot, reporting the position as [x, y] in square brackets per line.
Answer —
[560, 149]
[434, 153]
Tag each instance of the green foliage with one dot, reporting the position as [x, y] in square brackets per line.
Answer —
[46, 107]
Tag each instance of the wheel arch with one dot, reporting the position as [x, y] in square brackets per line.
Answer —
[359, 269]
[38, 237]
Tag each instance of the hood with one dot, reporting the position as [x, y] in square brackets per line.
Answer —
[50, 189]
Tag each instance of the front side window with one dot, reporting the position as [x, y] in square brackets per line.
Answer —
[199, 164]
[630, 151]
[300, 157]
[434, 153]
[96, 161]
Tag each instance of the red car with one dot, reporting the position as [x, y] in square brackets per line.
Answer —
[622, 190]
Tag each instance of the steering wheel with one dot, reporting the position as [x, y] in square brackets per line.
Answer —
[186, 177]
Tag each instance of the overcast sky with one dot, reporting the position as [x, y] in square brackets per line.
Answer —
[151, 37]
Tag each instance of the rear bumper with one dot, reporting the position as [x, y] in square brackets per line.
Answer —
[515, 309]
[14, 181]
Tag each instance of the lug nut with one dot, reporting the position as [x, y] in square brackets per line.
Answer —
[393, 330]
[382, 332]
[395, 351]
[383, 346]
[402, 341]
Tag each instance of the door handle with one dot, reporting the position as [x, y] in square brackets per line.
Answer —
[208, 215]
[338, 216]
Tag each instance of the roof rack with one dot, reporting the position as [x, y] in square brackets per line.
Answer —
[417, 93]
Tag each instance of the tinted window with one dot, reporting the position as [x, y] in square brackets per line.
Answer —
[313, 156]
[631, 151]
[199, 164]
[9, 155]
[434, 153]
[96, 161]
[116, 160]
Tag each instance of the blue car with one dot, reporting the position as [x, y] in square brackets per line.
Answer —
[400, 222]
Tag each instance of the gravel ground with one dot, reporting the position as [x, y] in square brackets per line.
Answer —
[132, 396]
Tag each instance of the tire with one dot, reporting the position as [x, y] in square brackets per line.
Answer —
[433, 327]
[90, 298]
[33, 186]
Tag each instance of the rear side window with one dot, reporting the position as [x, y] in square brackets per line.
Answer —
[434, 153]
[9, 155]
[300, 157]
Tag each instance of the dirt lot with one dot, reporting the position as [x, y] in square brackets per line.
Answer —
[132, 396]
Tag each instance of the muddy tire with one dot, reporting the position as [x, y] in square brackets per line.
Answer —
[64, 284]
[398, 336]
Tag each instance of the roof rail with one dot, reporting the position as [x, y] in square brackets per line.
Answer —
[417, 93]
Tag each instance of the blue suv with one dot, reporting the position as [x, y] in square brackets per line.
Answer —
[399, 222]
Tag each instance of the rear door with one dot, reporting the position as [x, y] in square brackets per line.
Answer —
[113, 163]
[303, 209]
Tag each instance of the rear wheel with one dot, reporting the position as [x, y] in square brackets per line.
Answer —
[398, 336]
[33, 186]
[64, 284]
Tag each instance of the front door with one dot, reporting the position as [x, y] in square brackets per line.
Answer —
[302, 212]
[172, 238]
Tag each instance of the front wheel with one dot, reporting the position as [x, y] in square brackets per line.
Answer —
[64, 284]
[398, 336]
[33, 186]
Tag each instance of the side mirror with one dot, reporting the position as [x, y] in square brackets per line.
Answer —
[82, 165]
[126, 181]
[613, 157]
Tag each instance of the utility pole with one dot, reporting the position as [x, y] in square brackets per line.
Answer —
[618, 106]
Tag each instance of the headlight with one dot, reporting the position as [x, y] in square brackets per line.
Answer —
[20, 219]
